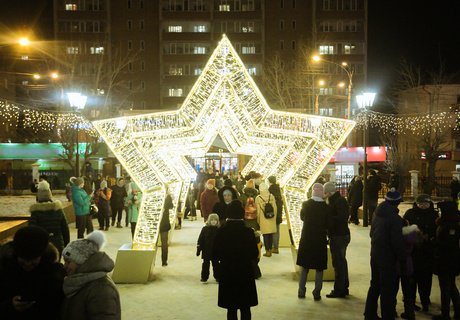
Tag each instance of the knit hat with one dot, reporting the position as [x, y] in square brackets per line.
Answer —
[235, 210]
[211, 181]
[30, 242]
[393, 196]
[272, 179]
[318, 190]
[43, 191]
[79, 181]
[228, 182]
[80, 250]
[263, 187]
[329, 187]
[250, 183]
[423, 198]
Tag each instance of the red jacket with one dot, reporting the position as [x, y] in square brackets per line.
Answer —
[208, 199]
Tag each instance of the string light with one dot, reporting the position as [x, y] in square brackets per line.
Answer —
[416, 124]
[13, 114]
[224, 101]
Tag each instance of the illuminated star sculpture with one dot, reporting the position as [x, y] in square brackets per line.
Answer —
[224, 101]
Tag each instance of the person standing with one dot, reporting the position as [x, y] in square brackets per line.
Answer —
[312, 252]
[208, 199]
[204, 246]
[387, 254]
[424, 216]
[235, 248]
[355, 198]
[103, 206]
[374, 184]
[30, 277]
[267, 225]
[49, 215]
[133, 203]
[81, 203]
[447, 258]
[339, 238]
[226, 195]
[117, 201]
[393, 181]
[275, 190]
[89, 291]
[165, 226]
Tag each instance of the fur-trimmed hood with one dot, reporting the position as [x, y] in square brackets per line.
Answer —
[46, 206]
[409, 229]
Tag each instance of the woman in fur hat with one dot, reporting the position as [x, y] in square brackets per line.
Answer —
[89, 291]
[49, 215]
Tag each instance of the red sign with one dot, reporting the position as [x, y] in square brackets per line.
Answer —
[356, 154]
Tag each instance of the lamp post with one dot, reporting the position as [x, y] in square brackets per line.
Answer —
[320, 83]
[77, 103]
[364, 101]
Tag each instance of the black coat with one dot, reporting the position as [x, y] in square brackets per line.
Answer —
[118, 197]
[422, 254]
[447, 249]
[275, 190]
[374, 184]
[165, 225]
[312, 253]
[221, 208]
[235, 248]
[205, 242]
[338, 224]
[43, 285]
[248, 192]
[387, 245]
[454, 189]
[355, 194]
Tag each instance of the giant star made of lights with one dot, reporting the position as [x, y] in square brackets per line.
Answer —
[224, 101]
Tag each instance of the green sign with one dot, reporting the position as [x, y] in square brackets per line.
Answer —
[46, 151]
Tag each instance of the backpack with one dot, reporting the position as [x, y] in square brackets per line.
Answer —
[269, 211]
[250, 209]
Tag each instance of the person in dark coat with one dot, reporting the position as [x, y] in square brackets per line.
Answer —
[387, 254]
[117, 201]
[393, 181]
[190, 207]
[235, 248]
[31, 277]
[165, 226]
[374, 184]
[103, 205]
[205, 245]
[49, 215]
[275, 190]
[312, 252]
[249, 191]
[454, 188]
[424, 216]
[339, 238]
[447, 258]
[226, 195]
[355, 198]
[208, 199]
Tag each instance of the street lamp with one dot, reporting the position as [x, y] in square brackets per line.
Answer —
[364, 101]
[349, 71]
[77, 103]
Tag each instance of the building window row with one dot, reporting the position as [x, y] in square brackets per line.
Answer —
[237, 26]
[202, 5]
[342, 5]
[183, 70]
[186, 48]
[341, 48]
[84, 48]
[129, 24]
[234, 5]
[129, 4]
[341, 26]
[79, 5]
[82, 26]
[188, 28]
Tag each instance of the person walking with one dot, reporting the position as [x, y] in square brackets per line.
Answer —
[447, 258]
[387, 254]
[30, 277]
[48, 214]
[424, 216]
[339, 238]
[266, 222]
[355, 198]
[117, 201]
[81, 203]
[312, 252]
[208, 199]
[165, 226]
[103, 205]
[235, 248]
[226, 195]
[204, 247]
[89, 291]
[275, 190]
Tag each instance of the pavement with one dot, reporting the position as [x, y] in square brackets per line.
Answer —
[177, 293]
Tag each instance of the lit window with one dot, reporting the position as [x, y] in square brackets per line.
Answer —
[199, 28]
[24, 57]
[73, 50]
[252, 71]
[224, 7]
[199, 50]
[176, 92]
[197, 71]
[174, 28]
[100, 92]
[25, 82]
[97, 50]
[71, 7]
[175, 70]
[248, 50]
[325, 111]
[325, 49]
[349, 48]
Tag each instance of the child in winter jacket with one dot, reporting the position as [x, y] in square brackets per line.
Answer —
[205, 246]
[133, 203]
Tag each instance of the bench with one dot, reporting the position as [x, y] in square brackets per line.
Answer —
[9, 227]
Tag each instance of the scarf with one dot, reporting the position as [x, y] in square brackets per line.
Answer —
[73, 283]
